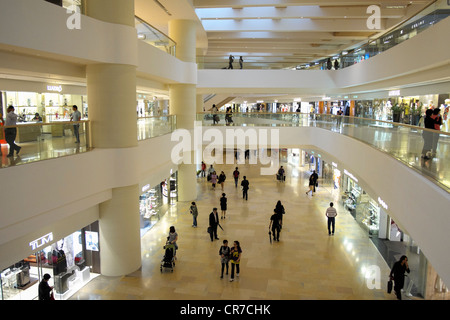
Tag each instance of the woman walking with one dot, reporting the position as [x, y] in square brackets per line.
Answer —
[236, 254]
[214, 180]
[172, 239]
[222, 178]
[223, 205]
[194, 213]
[224, 253]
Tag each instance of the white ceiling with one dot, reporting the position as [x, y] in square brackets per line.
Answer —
[277, 34]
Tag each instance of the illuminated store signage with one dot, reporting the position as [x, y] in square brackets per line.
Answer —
[350, 175]
[145, 188]
[382, 203]
[394, 93]
[54, 88]
[41, 241]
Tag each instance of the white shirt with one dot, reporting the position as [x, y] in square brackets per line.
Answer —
[11, 119]
[76, 116]
[331, 212]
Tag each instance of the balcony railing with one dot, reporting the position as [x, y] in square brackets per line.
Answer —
[42, 141]
[405, 143]
[151, 127]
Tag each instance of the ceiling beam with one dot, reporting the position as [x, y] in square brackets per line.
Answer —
[287, 3]
[290, 25]
[309, 12]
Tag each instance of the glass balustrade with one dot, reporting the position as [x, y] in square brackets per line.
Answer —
[149, 34]
[409, 144]
[42, 141]
[151, 127]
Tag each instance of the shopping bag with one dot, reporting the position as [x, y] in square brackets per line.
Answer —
[389, 286]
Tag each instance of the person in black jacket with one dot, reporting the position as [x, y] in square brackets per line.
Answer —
[427, 135]
[398, 275]
[223, 205]
[213, 223]
[245, 187]
[44, 288]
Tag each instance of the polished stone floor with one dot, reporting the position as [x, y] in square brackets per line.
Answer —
[306, 264]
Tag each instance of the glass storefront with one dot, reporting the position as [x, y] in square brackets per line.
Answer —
[154, 202]
[71, 262]
[51, 106]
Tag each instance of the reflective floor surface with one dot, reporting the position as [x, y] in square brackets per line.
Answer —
[305, 264]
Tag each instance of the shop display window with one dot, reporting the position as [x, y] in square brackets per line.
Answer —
[66, 261]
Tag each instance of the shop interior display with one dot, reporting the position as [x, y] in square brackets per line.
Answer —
[352, 198]
[63, 260]
[149, 204]
[371, 217]
[173, 190]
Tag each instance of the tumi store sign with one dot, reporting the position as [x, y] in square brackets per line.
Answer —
[35, 244]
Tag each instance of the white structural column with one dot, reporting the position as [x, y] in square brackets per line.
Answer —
[112, 110]
[183, 102]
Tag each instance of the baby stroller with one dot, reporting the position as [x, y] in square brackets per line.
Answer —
[168, 260]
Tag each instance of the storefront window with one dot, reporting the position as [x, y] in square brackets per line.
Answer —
[154, 202]
[71, 263]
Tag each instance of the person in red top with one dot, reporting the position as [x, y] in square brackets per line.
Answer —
[436, 116]
[203, 169]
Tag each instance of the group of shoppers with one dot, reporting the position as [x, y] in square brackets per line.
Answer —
[231, 60]
[233, 254]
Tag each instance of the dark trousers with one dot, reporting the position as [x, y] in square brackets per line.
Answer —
[223, 267]
[232, 269]
[213, 233]
[398, 291]
[10, 137]
[236, 181]
[276, 233]
[245, 194]
[331, 221]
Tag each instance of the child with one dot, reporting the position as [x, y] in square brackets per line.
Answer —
[224, 253]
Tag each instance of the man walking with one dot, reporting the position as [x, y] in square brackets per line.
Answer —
[76, 116]
[213, 223]
[398, 275]
[331, 213]
[236, 176]
[11, 133]
[275, 225]
[245, 187]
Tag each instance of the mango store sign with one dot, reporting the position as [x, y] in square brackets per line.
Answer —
[54, 88]
[35, 244]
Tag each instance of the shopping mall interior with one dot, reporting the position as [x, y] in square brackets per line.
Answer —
[340, 90]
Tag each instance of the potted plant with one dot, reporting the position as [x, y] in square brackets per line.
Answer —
[397, 110]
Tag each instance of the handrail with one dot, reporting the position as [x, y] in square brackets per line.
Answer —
[37, 124]
[415, 156]
[332, 115]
